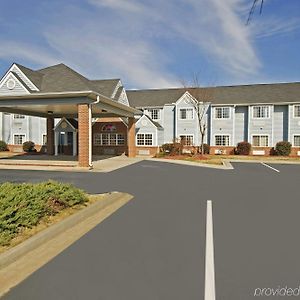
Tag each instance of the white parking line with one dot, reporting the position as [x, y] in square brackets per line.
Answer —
[210, 289]
[270, 167]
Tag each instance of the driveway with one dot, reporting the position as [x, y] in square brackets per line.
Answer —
[153, 248]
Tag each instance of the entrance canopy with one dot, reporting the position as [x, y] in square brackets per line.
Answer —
[64, 104]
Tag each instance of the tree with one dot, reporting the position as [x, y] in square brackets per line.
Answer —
[252, 10]
[201, 101]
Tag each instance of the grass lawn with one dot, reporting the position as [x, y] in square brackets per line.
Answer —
[218, 159]
[26, 209]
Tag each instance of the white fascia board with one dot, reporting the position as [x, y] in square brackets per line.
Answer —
[13, 75]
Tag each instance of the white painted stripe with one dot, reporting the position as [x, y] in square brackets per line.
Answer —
[270, 167]
[210, 289]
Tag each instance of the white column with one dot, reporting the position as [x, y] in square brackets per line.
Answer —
[210, 289]
[74, 143]
[56, 137]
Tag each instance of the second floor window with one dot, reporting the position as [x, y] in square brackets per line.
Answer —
[186, 114]
[260, 112]
[16, 116]
[154, 114]
[297, 111]
[222, 113]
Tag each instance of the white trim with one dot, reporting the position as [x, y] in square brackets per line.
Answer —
[264, 118]
[90, 136]
[272, 125]
[222, 134]
[222, 119]
[260, 134]
[186, 94]
[249, 123]
[20, 83]
[233, 125]
[19, 133]
[289, 122]
[294, 111]
[293, 140]
[144, 139]
[186, 107]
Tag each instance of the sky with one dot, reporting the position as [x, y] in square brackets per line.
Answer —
[155, 44]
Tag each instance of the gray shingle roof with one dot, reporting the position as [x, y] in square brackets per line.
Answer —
[61, 78]
[242, 94]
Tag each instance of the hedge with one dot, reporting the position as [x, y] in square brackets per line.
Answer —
[3, 146]
[243, 148]
[29, 146]
[283, 148]
[24, 205]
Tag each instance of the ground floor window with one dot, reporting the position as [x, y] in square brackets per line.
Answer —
[222, 140]
[19, 139]
[109, 139]
[187, 140]
[144, 139]
[260, 140]
[296, 140]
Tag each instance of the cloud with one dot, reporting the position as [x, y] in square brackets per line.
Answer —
[273, 26]
[130, 6]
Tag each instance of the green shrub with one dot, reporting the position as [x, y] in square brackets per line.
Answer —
[24, 205]
[172, 148]
[283, 148]
[243, 148]
[3, 146]
[29, 146]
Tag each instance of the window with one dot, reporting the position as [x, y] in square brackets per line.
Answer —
[16, 116]
[154, 114]
[44, 139]
[187, 140]
[261, 111]
[297, 111]
[222, 140]
[222, 112]
[260, 141]
[296, 140]
[109, 139]
[19, 139]
[144, 139]
[186, 114]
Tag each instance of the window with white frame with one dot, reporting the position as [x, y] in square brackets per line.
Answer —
[222, 112]
[297, 111]
[222, 140]
[260, 140]
[44, 139]
[144, 139]
[154, 113]
[186, 113]
[297, 140]
[17, 116]
[19, 139]
[109, 139]
[260, 112]
[187, 140]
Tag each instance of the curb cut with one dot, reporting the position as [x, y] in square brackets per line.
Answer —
[225, 166]
[33, 242]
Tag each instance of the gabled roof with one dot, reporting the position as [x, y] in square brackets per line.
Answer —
[105, 87]
[34, 76]
[240, 94]
[156, 124]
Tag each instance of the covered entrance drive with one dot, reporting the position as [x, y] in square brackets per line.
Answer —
[74, 137]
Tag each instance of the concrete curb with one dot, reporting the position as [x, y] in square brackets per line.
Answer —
[225, 166]
[282, 162]
[33, 242]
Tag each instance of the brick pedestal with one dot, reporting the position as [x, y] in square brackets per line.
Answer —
[50, 136]
[131, 138]
[84, 138]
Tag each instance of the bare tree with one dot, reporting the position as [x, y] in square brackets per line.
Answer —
[201, 101]
[252, 10]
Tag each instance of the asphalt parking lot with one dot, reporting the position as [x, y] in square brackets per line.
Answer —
[154, 247]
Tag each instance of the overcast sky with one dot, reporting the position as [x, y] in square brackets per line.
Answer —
[154, 44]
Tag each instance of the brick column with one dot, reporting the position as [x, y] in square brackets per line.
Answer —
[50, 136]
[131, 138]
[84, 136]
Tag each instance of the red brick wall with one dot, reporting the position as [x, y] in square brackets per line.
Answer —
[50, 136]
[83, 135]
[131, 138]
[226, 150]
[152, 150]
